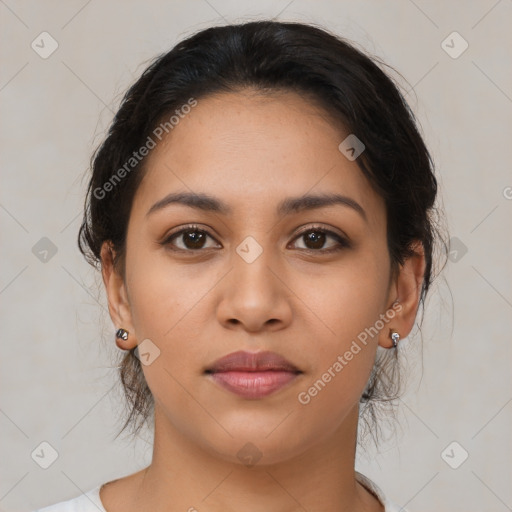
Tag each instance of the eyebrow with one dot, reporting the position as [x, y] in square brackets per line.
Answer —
[288, 206]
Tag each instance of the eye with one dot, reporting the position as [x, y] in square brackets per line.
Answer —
[315, 238]
[191, 237]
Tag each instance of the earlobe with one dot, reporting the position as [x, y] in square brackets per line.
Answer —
[406, 292]
[118, 304]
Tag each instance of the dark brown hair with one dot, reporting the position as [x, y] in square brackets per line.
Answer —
[270, 56]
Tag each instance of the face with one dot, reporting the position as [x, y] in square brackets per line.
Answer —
[256, 274]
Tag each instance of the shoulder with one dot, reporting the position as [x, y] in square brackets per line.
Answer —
[88, 502]
[388, 505]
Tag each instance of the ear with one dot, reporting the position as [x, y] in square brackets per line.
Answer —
[406, 289]
[118, 304]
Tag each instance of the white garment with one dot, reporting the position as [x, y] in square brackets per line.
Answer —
[91, 502]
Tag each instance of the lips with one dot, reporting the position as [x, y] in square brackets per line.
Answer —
[252, 375]
[252, 362]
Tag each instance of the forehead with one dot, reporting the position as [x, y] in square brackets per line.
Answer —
[252, 150]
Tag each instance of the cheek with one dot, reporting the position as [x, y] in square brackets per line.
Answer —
[167, 308]
[170, 307]
[346, 299]
[164, 295]
[348, 305]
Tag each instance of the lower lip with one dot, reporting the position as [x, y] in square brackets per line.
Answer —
[253, 384]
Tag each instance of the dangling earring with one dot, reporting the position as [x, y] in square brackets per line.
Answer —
[121, 334]
[396, 338]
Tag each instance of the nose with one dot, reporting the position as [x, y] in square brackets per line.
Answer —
[255, 296]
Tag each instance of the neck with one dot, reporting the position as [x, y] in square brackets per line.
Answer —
[184, 476]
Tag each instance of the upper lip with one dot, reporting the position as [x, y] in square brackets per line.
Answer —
[252, 362]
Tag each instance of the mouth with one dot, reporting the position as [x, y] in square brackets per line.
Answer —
[253, 375]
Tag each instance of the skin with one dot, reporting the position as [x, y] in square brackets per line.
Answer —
[251, 151]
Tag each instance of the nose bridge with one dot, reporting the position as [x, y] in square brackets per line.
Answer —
[252, 264]
[253, 294]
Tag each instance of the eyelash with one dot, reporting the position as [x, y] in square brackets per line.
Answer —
[342, 242]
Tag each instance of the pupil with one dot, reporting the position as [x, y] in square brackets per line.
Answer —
[317, 238]
[195, 238]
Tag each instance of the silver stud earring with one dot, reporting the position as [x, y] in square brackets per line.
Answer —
[396, 338]
[122, 334]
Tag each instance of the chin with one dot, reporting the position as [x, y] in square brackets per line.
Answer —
[252, 446]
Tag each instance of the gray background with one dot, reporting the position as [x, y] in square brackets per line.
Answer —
[58, 351]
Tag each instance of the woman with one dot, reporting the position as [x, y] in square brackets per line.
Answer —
[261, 211]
